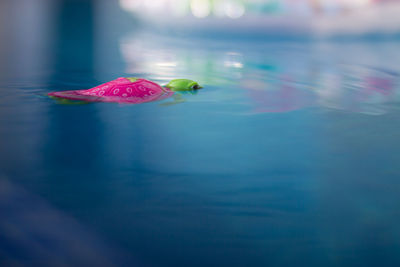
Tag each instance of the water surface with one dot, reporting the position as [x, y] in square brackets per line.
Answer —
[288, 156]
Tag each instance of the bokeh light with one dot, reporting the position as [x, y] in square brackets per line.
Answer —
[200, 8]
[237, 8]
[317, 18]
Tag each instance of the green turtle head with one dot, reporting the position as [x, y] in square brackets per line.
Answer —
[183, 85]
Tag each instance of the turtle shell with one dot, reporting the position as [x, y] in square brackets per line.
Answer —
[130, 90]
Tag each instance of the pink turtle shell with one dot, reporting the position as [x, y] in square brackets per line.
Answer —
[120, 90]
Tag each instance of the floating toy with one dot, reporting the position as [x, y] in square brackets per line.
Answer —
[127, 90]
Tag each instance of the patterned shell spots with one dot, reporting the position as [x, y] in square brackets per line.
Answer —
[120, 90]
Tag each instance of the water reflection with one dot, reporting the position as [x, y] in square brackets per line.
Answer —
[288, 79]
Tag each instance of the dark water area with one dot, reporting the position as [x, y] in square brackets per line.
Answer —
[287, 157]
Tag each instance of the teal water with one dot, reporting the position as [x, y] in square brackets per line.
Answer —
[287, 157]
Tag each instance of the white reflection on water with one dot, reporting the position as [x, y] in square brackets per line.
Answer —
[276, 77]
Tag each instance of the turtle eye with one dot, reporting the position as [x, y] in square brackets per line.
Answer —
[196, 86]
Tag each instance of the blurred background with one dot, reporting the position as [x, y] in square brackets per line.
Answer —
[266, 18]
[287, 157]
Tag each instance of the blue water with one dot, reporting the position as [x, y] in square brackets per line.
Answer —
[289, 156]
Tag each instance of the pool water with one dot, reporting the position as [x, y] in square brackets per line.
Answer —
[289, 155]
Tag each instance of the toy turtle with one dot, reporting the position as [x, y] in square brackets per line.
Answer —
[127, 90]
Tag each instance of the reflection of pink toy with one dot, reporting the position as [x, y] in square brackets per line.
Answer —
[121, 90]
[283, 98]
[380, 85]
